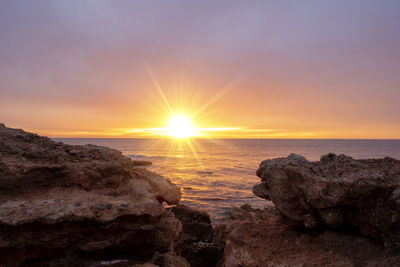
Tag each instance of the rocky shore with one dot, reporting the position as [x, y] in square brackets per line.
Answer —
[64, 205]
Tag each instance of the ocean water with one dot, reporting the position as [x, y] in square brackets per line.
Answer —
[216, 175]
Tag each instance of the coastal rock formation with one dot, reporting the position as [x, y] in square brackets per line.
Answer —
[62, 202]
[254, 237]
[64, 205]
[337, 191]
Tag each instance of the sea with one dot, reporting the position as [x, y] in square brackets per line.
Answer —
[218, 174]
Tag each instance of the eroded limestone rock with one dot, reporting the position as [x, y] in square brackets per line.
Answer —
[254, 237]
[59, 200]
[336, 191]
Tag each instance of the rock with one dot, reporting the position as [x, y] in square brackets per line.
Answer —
[171, 260]
[147, 264]
[336, 191]
[254, 237]
[196, 223]
[197, 246]
[261, 191]
[141, 162]
[79, 202]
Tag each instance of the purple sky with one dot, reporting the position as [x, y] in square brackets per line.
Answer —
[307, 69]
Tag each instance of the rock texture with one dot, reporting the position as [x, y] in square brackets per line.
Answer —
[254, 238]
[170, 260]
[65, 202]
[197, 235]
[337, 191]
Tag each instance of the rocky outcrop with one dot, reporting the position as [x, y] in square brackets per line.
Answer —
[338, 192]
[63, 203]
[254, 237]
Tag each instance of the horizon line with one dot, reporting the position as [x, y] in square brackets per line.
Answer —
[225, 138]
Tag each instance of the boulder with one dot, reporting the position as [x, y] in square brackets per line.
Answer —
[61, 201]
[337, 192]
[253, 237]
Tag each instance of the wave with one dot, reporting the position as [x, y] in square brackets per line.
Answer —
[211, 199]
[205, 172]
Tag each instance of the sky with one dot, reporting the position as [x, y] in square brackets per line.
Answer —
[239, 69]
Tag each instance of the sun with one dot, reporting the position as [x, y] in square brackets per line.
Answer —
[180, 127]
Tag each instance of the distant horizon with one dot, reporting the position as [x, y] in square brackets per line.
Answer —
[221, 138]
[191, 138]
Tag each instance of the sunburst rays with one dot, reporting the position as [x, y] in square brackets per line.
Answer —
[182, 98]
